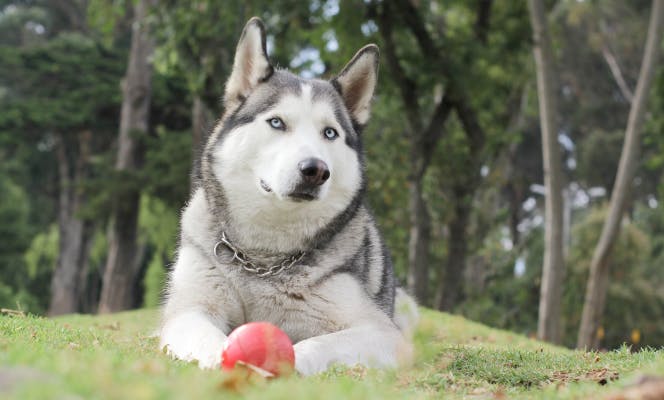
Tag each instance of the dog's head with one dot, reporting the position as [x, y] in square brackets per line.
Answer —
[287, 152]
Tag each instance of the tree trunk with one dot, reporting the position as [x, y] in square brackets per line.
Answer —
[122, 262]
[418, 243]
[515, 196]
[548, 324]
[514, 185]
[67, 285]
[419, 236]
[598, 281]
[424, 138]
[201, 122]
[450, 283]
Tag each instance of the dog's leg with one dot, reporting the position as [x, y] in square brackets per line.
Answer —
[195, 313]
[192, 336]
[406, 315]
[380, 346]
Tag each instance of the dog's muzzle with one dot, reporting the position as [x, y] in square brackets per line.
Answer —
[313, 174]
[314, 171]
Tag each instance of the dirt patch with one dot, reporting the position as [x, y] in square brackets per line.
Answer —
[601, 375]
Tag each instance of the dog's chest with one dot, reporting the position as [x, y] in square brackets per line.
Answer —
[292, 303]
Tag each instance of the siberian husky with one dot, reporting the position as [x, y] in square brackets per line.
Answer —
[278, 230]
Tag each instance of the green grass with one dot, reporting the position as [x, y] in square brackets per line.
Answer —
[117, 357]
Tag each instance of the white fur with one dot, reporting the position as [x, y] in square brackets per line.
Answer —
[191, 336]
[370, 345]
[406, 315]
[256, 152]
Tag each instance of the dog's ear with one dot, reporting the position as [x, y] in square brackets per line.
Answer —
[250, 66]
[357, 81]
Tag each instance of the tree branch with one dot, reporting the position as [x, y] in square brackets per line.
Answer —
[482, 21]
[73, 12]
[617, 73]
[612, 62]
[413, 19]
[64, 195]
[434, 131]
[407, 86]
[474, 131]
[454, 95]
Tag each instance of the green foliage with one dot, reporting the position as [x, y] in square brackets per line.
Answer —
[387, 188]
[500, 297]
[39, 259]
[42, 253]
[57, 89]
[105, 15]
[98, 251]
[165, 173]
[634, 300]
[197, 39]
[14, 24]
[599, 153]
[65, 84]
[627, 298]
[632, 245]
[20, 299]
[158, 224]
[14, 233]
[154, 282]
[653, 140]
[17, 281]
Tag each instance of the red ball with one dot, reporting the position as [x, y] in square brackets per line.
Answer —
[260, 344]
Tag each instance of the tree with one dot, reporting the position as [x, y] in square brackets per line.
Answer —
[424, 136]
[71, 269]
[548, 326]
[196, 42]
[434, 86]
[595, 298]
[60, 86]
[123, 255]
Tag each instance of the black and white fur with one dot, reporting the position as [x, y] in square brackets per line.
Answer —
[338, 303]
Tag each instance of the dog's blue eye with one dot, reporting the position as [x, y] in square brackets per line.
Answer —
[276, 123]
[330, 133]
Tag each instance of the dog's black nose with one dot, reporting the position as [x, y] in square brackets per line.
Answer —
[314, 171]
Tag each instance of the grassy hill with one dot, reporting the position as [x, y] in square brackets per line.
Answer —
[117, 357]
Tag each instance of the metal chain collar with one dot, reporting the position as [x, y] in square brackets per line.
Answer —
[250, 266]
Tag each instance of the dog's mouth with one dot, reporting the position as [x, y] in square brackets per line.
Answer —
[265, 187]
[301, 196]
[304, 191]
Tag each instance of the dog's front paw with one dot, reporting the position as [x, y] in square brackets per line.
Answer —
[190, 338]
[206, 353]
[308, 360]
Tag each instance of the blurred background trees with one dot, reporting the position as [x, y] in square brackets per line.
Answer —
[454, 146]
